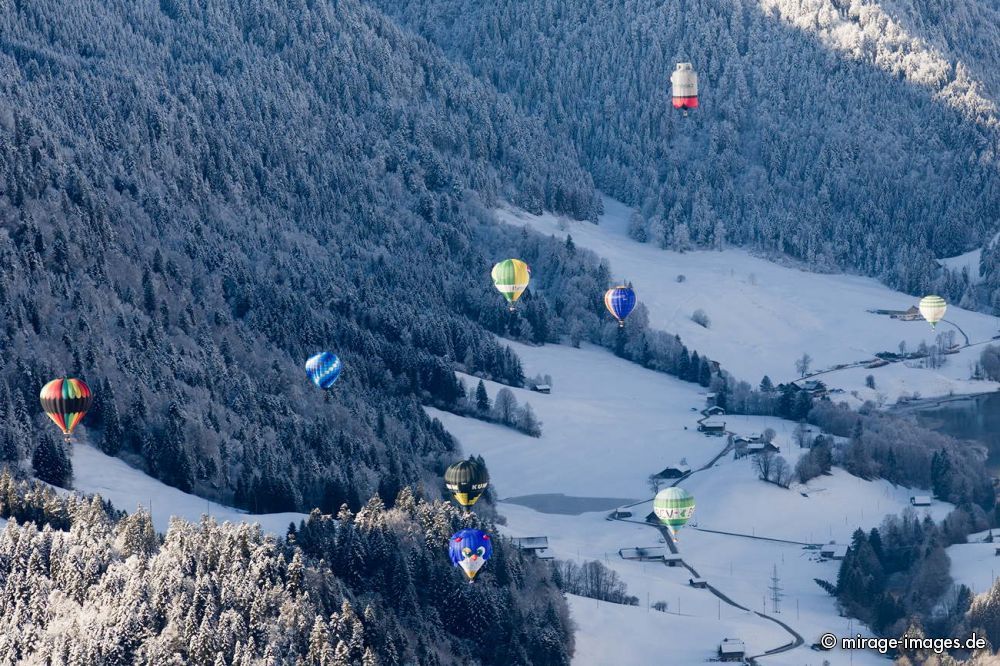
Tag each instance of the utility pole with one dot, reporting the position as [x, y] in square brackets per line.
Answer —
[775, 589]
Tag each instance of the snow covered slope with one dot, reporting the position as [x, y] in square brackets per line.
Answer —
[764, 316]
[128, 488]
[974, 564]
[606, 426]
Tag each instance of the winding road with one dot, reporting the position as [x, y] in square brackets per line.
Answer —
[797, 639]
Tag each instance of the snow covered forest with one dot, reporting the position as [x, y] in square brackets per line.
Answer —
[841, 133]
[196, 201]
[93, 586]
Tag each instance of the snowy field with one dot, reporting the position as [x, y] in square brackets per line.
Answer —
[129, 488]
[764, 315]
[606, 426]
[975, 564]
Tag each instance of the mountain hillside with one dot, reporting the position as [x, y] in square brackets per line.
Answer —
[839, 133]
[195, 200]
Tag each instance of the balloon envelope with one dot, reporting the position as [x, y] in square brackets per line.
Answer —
[66, 400]
[323, 369]
[467, 481]
[511, 277]
[470, 549]
[674, 507]
[620, 301]
[684, 87]
[932, 308]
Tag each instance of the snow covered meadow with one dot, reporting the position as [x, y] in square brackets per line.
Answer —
[763, 316]
[128, 488]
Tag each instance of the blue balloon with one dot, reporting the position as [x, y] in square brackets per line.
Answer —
[470, 549]
[620, 302]
[323, 369]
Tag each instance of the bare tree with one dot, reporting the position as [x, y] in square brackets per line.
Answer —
[802, 437]
[802, 365]
[763, 462]
[781, 472]
[505, 406]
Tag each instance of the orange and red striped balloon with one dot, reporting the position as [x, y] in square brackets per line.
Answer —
[66, 400]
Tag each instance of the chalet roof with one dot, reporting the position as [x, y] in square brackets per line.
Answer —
[713, 423]
[649, 553]
[923, 500]
[678, 468]
[810, 385]
[761, 446]
[731, 646]
[530, 543]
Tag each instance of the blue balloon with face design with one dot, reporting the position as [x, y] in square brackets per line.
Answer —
[470, 549]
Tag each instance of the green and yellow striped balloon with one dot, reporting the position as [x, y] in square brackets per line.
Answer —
[511, 277]
[673, 506]
[932, 308]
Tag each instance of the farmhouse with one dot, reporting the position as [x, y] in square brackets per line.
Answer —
[712, 427]
[673, 560]
[673, 472]
[833, 551]
[920, 500]
[731, 649]
[537, 546]
[541, 388]
[714, 410]
[643, 554]
[761, 447]
[813, 387]
[911, 314]
[698, 582]
[745, 447]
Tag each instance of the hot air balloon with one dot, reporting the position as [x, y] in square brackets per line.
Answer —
[470, 549]
[684, 82]
[66, 400]
[467, 480]
[933, 308]
[323, 369]
[620, 301]
[511, 277]
[673, 506]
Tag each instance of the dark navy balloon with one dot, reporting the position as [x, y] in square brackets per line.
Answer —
[620, 301]
[323, 369]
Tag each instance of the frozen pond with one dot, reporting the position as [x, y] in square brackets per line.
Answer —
[568, 505]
